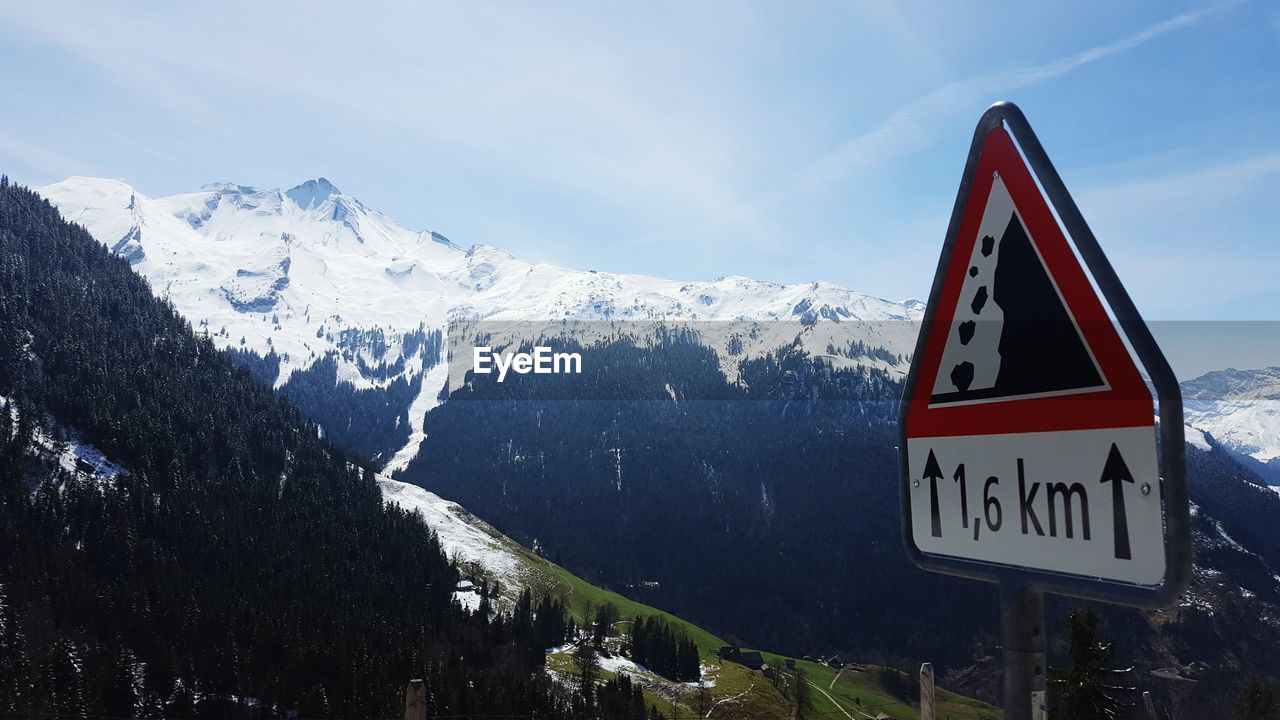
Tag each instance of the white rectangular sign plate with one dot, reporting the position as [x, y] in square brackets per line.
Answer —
[1084, 502]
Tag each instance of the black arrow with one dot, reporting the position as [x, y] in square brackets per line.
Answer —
[1117, 473]
[934, 473]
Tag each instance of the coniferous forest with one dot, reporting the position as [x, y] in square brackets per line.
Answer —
[767, 510]
[239, 566]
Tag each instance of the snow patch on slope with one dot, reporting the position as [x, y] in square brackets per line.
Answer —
[67, 448]
[1196, 438]
[468, 599]
[462, 535]
[423, 403]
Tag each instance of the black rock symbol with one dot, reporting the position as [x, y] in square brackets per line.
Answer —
[962, 375]
[979, 300]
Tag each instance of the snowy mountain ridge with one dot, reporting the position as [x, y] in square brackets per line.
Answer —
[1239, 409]
[311, 272]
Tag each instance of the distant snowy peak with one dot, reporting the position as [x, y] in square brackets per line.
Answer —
[1240, 409]
[312, 193]
[224, 226]
[1232, 384]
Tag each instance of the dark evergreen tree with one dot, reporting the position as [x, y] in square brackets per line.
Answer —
[1258, 700]
[622, 699]
[120, 692]
[1088, 687]
[602, 626]
[664, 649]
[15, 679]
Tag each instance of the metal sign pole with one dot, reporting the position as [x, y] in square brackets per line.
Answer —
[1022, 636]
[926, 692]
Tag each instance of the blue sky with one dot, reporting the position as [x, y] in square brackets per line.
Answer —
[788, 142]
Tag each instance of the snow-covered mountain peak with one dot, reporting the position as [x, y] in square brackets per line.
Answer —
[228, 188]
[311, 273]
[436, 237]
[1233, 384]
[312, 193]
[1240, 409]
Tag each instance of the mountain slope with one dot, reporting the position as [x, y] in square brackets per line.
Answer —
[226, 561]
[1240, 410]
[769, 510]
[732, 687]
[310, 273]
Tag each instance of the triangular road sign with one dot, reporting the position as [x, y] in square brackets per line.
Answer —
[1028, 442]
[1019, 341]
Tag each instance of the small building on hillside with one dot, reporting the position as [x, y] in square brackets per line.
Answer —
[751, 659]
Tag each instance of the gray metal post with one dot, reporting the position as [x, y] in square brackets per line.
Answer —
[926, 692]
[415, 700]
[1022, 636]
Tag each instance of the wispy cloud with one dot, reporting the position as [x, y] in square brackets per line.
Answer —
[1183, 192]
[1188, 242]
[34, 159]
[557, 100]
[911, 126]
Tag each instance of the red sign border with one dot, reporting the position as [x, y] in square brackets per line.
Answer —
[1125, 403]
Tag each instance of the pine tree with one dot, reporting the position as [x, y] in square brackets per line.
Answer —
[584, 658]
[1088, 688]
[120, 695]
[1257, 700]
[606, 616]
[62, 682]
[800, 692]
[15, 678]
